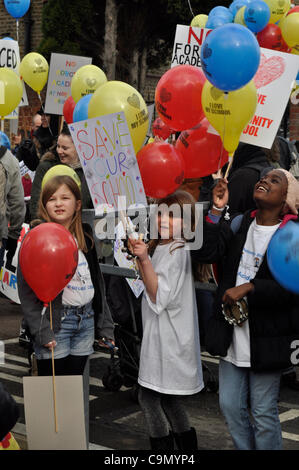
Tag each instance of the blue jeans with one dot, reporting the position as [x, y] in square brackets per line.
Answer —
[76, 334]
[240, 388]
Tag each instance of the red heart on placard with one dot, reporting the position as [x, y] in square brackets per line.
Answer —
[269, 70]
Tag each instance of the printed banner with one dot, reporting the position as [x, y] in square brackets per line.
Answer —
[62, 69]
[10, 58]
[106, 152]
[8, 273]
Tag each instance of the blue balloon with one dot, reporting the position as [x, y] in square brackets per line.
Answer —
[17, 8]
[216, 21]
[4, 140]
[7, 38]
[257, 15]
[81, 109]
[283, 256]
[236, 5]
[230, 56]
[221, 11]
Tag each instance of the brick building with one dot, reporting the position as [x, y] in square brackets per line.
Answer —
[30, 35]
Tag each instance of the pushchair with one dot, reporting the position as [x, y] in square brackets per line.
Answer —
[126, 313]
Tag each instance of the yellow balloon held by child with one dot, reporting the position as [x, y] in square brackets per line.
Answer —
[115, 96]
[34, 70]
[229, 112]
[86, 81]
[11, 91]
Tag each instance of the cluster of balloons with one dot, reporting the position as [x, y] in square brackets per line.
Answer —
[270, 20]
[92, 95]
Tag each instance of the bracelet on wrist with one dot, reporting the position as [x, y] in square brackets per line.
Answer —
[220, 209]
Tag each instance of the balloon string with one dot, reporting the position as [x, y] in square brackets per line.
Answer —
[222, 139]
[2, 124]
[48, 122]
[190, 8]
[17, 31]
[53, 374]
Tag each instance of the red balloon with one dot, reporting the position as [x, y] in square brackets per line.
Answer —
[48, 259]
[161, 129]
[203, 153]
[293, 10]
[178, 97]
[68, 109]
[271, 38]
[162, 169]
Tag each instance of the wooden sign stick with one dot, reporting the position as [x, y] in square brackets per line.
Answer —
[53, 374]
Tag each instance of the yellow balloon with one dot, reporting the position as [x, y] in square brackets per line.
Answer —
[151, 140]
[199, 21]
[86, 81]
[290, 29]
[229, 113]
[278, 8]
[34, 70]
[11, 91]
[115, 96]
[239, 18]
[61, 170]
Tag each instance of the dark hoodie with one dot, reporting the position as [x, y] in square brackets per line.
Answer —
[248, 163]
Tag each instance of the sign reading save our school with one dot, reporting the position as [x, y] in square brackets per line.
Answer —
[62, 69]
[107, 155]
[273, 80]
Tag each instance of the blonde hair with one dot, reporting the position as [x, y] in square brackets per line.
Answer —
[48, 190]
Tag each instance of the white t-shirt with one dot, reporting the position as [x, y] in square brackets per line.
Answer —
[257, 241]
[170, 351]
[80, 290]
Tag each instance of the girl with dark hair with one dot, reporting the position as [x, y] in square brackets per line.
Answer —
[170, 363]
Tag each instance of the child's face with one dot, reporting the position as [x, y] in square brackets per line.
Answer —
[66, 150]
[62, 206]
[271, 190]
[169, 227]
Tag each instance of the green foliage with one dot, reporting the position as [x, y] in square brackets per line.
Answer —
[63, 27]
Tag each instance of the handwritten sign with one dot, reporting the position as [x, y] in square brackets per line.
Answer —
[187, 45]
[10, 58]
[62, 69]
[109, 163]
[273, 81]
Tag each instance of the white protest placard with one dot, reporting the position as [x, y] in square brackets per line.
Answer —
[187, 45]
[273, 80]
[10, 58]
[106, 152]
[62, 69]
[39, 413]
[8, 273]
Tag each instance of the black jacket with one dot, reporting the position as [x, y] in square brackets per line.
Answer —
[273, 311]
[32, 307]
